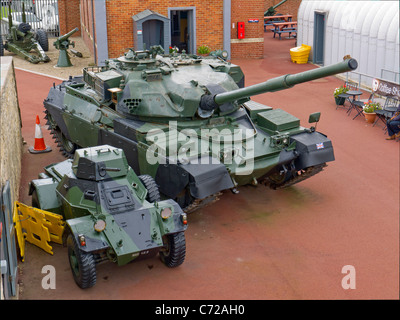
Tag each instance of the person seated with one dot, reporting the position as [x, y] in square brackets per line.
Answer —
[393, 126]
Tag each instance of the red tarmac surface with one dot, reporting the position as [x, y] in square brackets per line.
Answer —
[260, 243]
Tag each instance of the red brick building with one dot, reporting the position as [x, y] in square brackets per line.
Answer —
[109, 27]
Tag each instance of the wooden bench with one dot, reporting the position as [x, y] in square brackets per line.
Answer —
[284, 27]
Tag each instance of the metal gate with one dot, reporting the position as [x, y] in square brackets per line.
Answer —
[40, 14]
[8, 249]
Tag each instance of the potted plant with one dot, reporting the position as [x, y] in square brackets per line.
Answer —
[369, 110]
[203, 50]
[173, 50]
[340, 100]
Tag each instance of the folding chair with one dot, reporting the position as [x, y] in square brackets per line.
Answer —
[388, 110]
[351, 86]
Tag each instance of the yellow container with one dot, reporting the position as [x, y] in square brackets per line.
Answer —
[300, 54]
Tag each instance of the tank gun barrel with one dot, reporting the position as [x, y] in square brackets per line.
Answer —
[286, 81]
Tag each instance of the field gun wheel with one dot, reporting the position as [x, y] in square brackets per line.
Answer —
[153, 194]
[82, 264]
[175, 250]
[43, 39]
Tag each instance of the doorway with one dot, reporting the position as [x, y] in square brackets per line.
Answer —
[183, 29]
[319, 37]
[153, 33]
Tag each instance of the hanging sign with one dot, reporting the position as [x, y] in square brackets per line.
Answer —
[253, 21]
[385, 88]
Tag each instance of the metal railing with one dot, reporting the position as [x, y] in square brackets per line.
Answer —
[40, 14]
[364, 81]
[390, 75]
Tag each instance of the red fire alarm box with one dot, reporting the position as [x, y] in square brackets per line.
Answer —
[240, 30]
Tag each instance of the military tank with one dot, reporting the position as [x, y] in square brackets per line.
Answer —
[110, 212]
[188, 122]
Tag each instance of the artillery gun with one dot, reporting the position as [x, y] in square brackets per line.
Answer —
[62, 44]
[21, 40]
[189, 123]
[271, 10]
[110, 212]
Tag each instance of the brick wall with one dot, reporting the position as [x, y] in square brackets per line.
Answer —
[69, 16]
[289, 7]
[209, 21]
[87, 11]
[252, 46]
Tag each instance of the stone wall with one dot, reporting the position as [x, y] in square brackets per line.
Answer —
[10, 129]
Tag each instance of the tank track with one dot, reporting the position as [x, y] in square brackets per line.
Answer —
[201, 203]
[304, 174]
[56, 135]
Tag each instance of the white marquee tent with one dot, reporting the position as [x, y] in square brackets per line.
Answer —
[366, 30]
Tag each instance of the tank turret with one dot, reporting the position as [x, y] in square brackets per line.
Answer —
[99, 163]
[212, 102]
[188, 121]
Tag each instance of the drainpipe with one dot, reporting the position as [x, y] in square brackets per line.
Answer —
[94, 34]
[227, 26]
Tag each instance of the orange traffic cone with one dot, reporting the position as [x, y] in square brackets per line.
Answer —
[39, 146]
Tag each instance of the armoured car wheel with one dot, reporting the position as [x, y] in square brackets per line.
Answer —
[35, 199]
[175, 245]
[153, 194]
[82, 264]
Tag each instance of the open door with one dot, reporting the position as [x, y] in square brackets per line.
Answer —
[183, 29]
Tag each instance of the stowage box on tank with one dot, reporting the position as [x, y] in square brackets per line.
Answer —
[110, 212]
[188, 122]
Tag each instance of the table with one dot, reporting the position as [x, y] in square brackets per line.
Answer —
[286, 17]
[384, 115]
[268, 20]
[283, 27]
[353, 105]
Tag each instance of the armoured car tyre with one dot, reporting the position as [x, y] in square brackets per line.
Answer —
[175, 252]
[83, 265]
[35, 199]
[43, 39]
[153, 194]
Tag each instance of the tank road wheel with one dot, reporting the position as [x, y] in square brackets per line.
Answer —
[153, 194]
[175, 250]
[284, 179]
[82, 264]
[278, 178]
[67, 147]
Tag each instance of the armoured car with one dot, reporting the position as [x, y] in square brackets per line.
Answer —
[110, 212]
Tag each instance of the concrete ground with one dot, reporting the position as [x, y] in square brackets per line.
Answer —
[259, 244]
